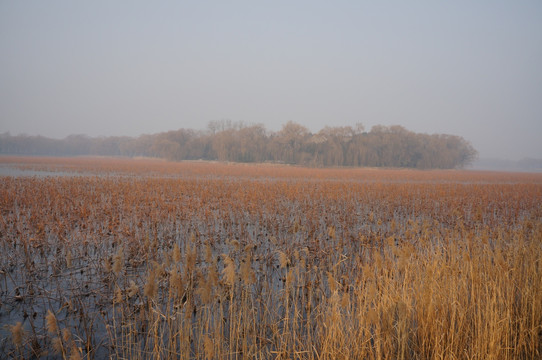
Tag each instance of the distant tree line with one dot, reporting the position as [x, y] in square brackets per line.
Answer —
[225, 140]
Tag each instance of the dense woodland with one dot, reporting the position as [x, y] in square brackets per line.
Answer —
[224, 140]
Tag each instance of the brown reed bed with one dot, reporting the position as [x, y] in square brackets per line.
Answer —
[228, 263]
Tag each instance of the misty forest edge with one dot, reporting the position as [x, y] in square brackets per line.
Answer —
[224, 140]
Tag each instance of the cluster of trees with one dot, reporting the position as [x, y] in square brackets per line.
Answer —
[224, 140]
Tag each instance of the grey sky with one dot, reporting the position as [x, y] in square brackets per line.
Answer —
[471, 68]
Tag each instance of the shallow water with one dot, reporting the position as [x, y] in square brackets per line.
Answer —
[13, 171]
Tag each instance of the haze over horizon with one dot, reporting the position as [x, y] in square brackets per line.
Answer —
[129, 68]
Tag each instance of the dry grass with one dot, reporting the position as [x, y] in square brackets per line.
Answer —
[233, 261]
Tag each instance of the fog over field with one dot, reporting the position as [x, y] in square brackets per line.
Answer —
[127, 68]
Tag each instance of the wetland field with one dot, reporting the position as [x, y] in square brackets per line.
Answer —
[149, 259]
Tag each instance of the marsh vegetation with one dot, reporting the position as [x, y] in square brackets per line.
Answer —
[152, 259]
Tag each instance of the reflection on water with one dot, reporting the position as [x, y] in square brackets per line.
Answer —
[6, 170]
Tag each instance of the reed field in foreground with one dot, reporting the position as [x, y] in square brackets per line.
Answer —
[147, 259]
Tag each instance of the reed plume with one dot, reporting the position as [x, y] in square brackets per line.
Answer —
[208, 253]
[176, 282]
[151, 286]
[208, 347]
[247, 273]
[283, 259]
[191, 257]
[51, 322]
[205, 289]
[118, 261]
[118, 296]
[69, 259]
[229, 270]
[213, 273]
[133, 289]
[17, 334]
[176, 253]
[75, 353]
[58, 347]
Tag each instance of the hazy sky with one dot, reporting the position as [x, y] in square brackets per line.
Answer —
[470, 68]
